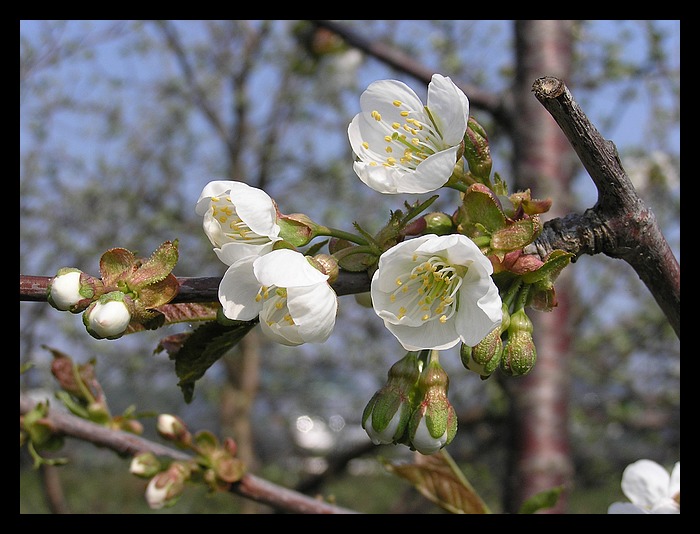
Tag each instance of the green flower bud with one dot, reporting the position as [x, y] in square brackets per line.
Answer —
[519, 352]
[484, 357]
[145, 465]
[387, 413]
[433, 423]
[477, 151]
[438, 223]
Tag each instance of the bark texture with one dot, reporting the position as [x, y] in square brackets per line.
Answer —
[544, 162]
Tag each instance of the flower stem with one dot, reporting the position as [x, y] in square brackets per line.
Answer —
[341, 234]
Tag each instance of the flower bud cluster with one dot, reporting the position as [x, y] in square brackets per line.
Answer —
[413, 408]
[213, 463]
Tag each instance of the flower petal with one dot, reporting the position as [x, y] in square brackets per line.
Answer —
[286, 268]
[449, 107]
[645, 483]
[238, 289]
[313, 310]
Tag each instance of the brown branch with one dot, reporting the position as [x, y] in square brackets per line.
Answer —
[620, 225]
[192, 289]
[392, 56]
[126, 444]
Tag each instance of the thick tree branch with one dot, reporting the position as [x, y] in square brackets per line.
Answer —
[620, 225]
[126, 444]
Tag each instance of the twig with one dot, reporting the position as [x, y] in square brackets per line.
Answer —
[620, 225]
[126, 444]
[192, 289]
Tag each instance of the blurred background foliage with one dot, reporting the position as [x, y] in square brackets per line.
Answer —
[123, 122]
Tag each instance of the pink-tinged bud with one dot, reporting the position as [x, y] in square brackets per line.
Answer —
[108, 317]
[327, 265]
[433, 424]
[145, 465]
[171, 427]
[166, 487]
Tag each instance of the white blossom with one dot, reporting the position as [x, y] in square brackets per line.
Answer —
[401, 145]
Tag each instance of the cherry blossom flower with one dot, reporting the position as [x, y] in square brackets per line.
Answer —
[434, 291]
[650, 488]
[403, 146]
[238, 219]
[293, 299]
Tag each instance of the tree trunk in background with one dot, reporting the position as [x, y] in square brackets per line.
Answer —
[545, 163]
[237, 397]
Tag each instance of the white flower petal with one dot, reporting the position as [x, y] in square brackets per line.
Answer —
[65, 290]
[464, 304]
[424, 442]
[430, 334]
[313, 310]
[257, 210]
[385, 436]
[286, 268]
[230, 253]
[401, 147]
[645, 483]
[238, 290]
[449, 106]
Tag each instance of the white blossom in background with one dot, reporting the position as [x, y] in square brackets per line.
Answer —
[650, 489]
[238, 219]
[434, 291]
[401, 145]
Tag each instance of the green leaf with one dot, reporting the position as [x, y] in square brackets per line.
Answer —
[197, 351]
[116, 264]
[158, 266]
[541, 500]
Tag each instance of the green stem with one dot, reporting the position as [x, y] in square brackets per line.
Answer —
[459, 474]
[459, 186]
[522, 297]
[512, 291]
[348, 251]
[341, 234]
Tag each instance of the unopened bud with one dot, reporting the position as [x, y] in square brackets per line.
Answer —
[72, 290]
[477, 151]
[171, 427]
[438, 223]
[519, 352]
[327, 265]
[433, 423]
[386, 415]
[165, 488]
[145, 465]
[485, 356]
[108, 317]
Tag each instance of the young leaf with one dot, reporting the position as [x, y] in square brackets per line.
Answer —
[197, 351]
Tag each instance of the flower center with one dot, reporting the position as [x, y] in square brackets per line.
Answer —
[275, 309]
[232, 226]
[408, 144]
[429, 291]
